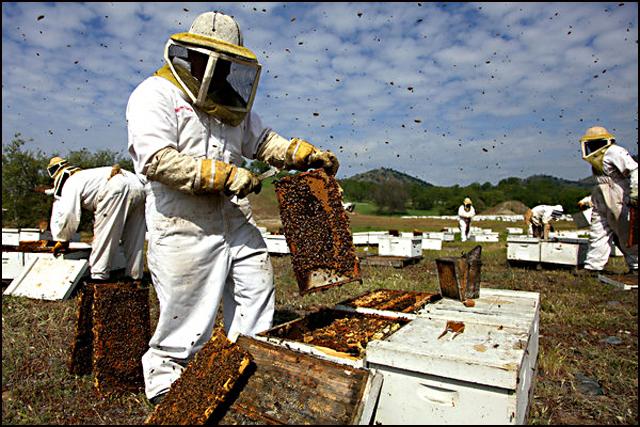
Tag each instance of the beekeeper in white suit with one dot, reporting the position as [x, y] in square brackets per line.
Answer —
[116, 197]
[538, 219]
[616, 189]
[190, 126]
[465, 213]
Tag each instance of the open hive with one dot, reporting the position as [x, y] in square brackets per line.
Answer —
[112, 334]
[204, 384]
[317, 231]
[345, 333]
[392, 300]
[283, 386]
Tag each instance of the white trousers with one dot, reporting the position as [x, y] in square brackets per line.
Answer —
[119, 215]
[465, 227]
[202, 249]
[609, 223]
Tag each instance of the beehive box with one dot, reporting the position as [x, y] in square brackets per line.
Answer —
[410, 247]
[276, 244]
[10, 236]
[564, 251]
[204, 385]
[335, 335]
[283, 386]
[112, 332]
[523, 248]
[483, 375]
[431, 244]
[12, 264]
[484, 237]
[317, 231]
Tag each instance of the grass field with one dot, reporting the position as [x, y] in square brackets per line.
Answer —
[578, 315]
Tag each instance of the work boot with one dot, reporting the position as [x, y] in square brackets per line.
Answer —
[155, 400]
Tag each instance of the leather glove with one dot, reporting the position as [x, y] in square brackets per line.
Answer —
[242, 182]
[302, 155]
[59, 247]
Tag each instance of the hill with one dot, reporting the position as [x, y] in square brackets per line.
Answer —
[382, 175]
[510, 207]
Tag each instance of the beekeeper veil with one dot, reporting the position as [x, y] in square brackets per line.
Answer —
[594, 143]
[210, 64]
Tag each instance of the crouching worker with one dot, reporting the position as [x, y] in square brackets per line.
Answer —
[538, 220]
[116, 198]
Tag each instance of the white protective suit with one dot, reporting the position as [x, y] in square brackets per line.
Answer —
[464, 221]
[202, 248]
[610, 215]
[118, 207]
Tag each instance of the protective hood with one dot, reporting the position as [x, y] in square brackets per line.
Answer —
[219, 78]
[594, 148]
[61, 177]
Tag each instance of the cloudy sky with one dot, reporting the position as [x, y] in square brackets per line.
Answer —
[452, 93]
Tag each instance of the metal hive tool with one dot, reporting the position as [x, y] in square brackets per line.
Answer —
[317, 231]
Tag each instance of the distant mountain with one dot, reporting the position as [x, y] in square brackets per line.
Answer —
[378, 176]
[381, 175]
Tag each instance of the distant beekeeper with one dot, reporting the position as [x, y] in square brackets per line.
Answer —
[613, 196]
[538, 219]
[116, 197]
[190, 127]
[465, 213]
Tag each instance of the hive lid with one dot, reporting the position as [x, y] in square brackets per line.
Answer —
[482, 354]
[522, 239]
[48, 278]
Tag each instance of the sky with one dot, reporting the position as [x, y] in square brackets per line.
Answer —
[451, 93]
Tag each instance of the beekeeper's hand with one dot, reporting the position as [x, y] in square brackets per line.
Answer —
[302, 155]
[242, 182]
[59, 247]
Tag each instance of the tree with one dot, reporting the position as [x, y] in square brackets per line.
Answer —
[391, 196]
[23, 171]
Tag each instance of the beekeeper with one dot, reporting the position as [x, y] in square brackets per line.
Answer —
[538, 219]
[465, 213]
[190, 126]
[616, 190]
[116, 197]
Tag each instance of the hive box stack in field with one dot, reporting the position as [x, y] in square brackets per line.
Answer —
[523, 249]
[317, 231]
[400, 246]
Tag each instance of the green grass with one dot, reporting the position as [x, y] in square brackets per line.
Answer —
[576, 315]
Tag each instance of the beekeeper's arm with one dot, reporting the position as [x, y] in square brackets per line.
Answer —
[153, 136]
[65, 217]
[633, 182]
[295, 154]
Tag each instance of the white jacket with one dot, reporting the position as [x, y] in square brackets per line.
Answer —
[466, 214]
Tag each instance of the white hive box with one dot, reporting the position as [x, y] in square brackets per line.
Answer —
[48, 279]
[485, 375]
[564, 251]
[448, 237]
[485, 237]
[400, 246]
[276, 244]
[374, 236]
[453, 230]
[361, 238]
[10, 237]
[12, 264]
[431, 244]
[514, 230]
[434, 235]
[523, 248]
[34, 234]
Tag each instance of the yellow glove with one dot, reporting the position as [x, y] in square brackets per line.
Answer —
[59, 247]
[217, 176]
[242, 182]
[303, 156]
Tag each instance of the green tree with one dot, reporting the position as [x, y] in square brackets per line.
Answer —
[22, 172]
[391, 197]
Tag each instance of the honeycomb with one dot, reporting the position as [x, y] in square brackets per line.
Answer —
[317, 231]
[204, 384]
